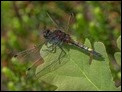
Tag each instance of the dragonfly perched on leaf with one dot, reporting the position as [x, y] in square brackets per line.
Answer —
[56, 38]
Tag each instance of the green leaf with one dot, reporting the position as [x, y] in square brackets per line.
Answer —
[119, 42]
[75, 72]
[117, 55]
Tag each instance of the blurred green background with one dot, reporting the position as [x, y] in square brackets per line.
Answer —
[23, 21]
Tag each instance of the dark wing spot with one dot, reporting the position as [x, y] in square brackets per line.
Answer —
[28, 69]
[15, 55]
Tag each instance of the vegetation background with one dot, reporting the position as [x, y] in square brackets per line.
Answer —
[22, 22]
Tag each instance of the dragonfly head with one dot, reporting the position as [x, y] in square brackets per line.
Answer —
[46, 33]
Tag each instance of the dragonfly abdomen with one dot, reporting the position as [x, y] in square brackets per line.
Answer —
[87, 49]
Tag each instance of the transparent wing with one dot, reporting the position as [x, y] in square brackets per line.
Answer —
[69, 22]
[65, 27]
[54, 22]
[52, 61]
[31, 54]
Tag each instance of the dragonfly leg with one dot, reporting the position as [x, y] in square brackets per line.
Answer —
[62, 51]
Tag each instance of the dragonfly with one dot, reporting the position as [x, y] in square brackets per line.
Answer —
[56, 38]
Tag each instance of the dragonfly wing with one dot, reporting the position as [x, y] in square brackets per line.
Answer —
[54, 22]
[69, 22]
[29, 54]
[32, 54]
[52, 62]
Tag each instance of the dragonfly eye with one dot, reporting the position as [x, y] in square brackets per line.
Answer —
[46, 33]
